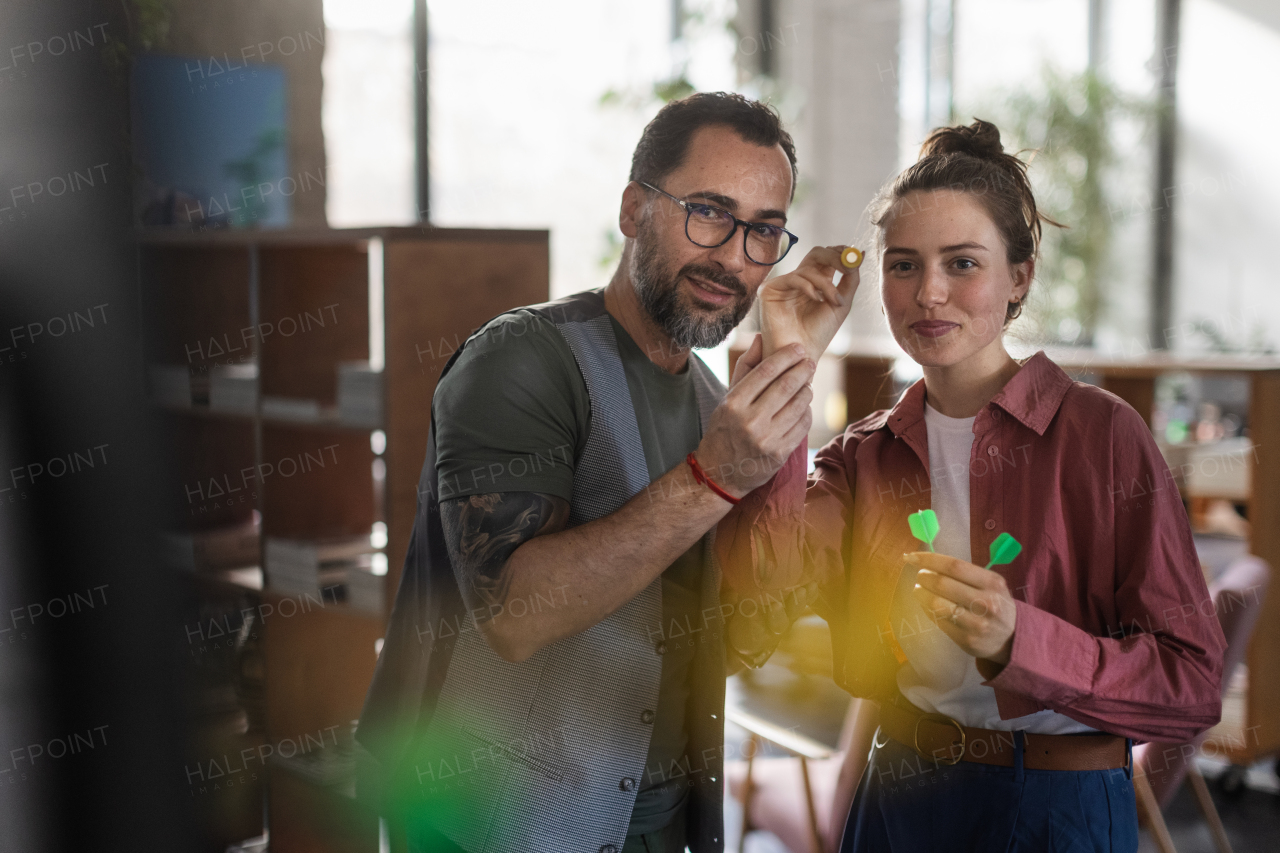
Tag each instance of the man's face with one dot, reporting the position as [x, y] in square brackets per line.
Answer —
[698, 295]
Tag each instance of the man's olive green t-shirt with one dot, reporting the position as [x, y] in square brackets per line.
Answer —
[512, 415]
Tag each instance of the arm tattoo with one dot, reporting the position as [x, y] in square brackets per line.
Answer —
[482, 531]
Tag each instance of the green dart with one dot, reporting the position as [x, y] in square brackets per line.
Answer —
[1003, 550]
[924, 526]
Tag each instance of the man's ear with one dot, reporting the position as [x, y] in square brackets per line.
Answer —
[632, 209]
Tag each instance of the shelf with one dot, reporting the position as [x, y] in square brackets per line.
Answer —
[243, 579]
[297, 303]
[329, 418]
[204, 412]
[1152, 364]
[223, 238]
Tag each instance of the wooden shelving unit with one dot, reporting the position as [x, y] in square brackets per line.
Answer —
[297, 303]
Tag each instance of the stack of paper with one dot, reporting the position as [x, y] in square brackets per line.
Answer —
[359, 393]
[305, 567]
[234, 387]
[365, 589]
[1220, 469]
[224, 547]
[290, 409]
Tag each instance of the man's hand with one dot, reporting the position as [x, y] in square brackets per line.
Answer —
[761, 421]
[804, 307]
[971, 605]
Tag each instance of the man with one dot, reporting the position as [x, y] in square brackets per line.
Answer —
[553, 675]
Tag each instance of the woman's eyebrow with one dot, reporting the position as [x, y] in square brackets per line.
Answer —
[958, 247]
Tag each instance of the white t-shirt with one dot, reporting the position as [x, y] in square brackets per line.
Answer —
[938, 675]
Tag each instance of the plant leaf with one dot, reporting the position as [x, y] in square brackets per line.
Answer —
[924, 526]
[1003, 550]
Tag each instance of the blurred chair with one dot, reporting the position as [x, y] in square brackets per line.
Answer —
[804, 798]
[1160, 767]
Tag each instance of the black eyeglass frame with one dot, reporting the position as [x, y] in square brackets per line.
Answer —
[688, 212]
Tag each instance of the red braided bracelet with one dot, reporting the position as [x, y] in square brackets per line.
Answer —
[701, 477]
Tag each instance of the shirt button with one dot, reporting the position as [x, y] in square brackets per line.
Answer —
[627, 784]
[991, 524]
[646, 717]
[609, 848]
[661, 648]
[993, 450]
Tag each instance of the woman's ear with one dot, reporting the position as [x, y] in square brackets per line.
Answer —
[1023, 274]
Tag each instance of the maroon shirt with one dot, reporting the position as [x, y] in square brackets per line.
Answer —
[1115, 627]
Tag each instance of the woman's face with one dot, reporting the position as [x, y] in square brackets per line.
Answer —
[946, 278]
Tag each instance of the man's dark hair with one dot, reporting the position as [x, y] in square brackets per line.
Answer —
[666, 139]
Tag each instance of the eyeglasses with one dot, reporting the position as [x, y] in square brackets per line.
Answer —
[709, 226]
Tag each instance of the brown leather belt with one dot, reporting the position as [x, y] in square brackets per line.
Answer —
[942, 740]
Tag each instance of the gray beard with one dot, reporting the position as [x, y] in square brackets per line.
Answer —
[660, 296]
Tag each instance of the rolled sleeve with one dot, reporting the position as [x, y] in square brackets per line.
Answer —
[1052, 660]
[511, 414]
[760, 542]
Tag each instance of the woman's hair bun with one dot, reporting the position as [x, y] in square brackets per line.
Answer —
[980, 139]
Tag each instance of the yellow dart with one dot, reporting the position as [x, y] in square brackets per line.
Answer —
[851, 258]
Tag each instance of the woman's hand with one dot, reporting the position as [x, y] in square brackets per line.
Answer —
[971, 605]
[804, 307]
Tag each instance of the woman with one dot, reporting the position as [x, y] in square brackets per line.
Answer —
[1009, 698]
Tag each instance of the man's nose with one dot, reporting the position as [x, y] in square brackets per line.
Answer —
[731, 255]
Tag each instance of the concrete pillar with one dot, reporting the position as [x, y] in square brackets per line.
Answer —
[835, 81]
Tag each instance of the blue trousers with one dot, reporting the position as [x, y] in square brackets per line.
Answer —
[907, 804]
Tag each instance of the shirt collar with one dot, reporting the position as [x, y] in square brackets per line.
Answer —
[1032, 397]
